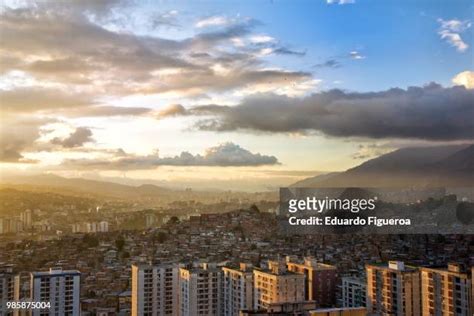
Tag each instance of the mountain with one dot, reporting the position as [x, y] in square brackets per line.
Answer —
[309, 182]
[461, 161]
[94, 187]
[415, 166]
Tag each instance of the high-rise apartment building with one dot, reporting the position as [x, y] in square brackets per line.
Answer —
[393, 289]
[446, 291]
[354, 292]
[60, 288]
[237, 289]
[9, 289]
[10, 225]
[27, 218]
[200, 290]
[277, 285]
[155, 290]
[321, 279]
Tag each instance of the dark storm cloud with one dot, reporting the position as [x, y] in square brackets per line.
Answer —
[430, 112]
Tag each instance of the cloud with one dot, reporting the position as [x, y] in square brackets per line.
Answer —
[17, 135]
[430, 112]
[454, 25]
[330, 63]
[356, 55]
[167, 19]
[338, 60]
[65, 48]
[212, 21]
[77, 138]
[465, 78]
[172, 110]
[366, 151]
[30, 99]
[287, 51]
[51, 101]
[341, 2]
[224, 155]
[235, 29]
[215, 81]
[95, 7]
[259, 39]
[105, 110]
[47, 33]
[450, 31]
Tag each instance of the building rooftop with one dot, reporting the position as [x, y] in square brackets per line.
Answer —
[55, 272]
[394, 266]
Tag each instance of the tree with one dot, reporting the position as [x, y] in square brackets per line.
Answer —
[161, 237]
[90, 240]
[254, 208]
[120, 243]
[174, 220]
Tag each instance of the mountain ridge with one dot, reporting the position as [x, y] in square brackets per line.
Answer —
[412, 166]
[104, 188]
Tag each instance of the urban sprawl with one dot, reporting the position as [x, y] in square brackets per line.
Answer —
[102, 260]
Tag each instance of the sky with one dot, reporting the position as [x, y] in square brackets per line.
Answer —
[244, 95]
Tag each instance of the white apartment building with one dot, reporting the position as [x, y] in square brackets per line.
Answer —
[237, 288]
[60, 288]
[155, 290]
[9, 289]
[200, 290]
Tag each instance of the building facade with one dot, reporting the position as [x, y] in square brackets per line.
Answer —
[445, 291]
[60, 288]
[354, 292]
[393, 289]
[277, 285]
[237, 289]
[200, 290]
[155, 290]
[9, 289]
[321, 280]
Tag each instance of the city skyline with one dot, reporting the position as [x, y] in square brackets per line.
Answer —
[209, 92]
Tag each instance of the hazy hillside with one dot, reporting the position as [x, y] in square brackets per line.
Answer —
[90, 186]
[308, 182]
[461, 161]
[420, 166]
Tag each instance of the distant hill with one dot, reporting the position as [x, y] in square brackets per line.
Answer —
[416, 166]
[461, 161]
[94, 187]
[309, 182]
